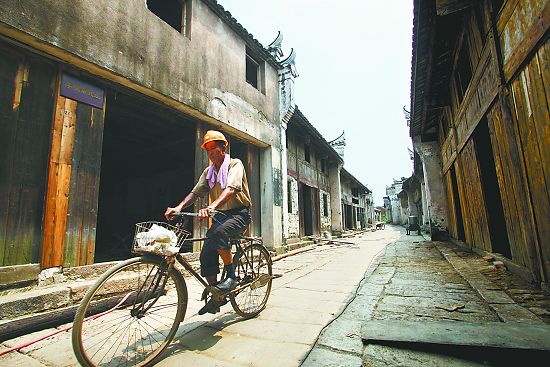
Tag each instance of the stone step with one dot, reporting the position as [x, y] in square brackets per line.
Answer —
[65, 289]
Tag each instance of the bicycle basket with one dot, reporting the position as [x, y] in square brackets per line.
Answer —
[158, 238]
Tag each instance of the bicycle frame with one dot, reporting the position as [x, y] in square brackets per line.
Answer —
[216, 294]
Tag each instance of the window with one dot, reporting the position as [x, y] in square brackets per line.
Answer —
[325, 205]
[252, 70]
[307, 154]
[354, 192]
[176, 13]
[324, 165]
[289, 195]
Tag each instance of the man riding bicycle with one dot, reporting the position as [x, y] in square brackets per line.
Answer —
[225, 182]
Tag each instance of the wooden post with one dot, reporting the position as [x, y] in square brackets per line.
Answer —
[59, 179]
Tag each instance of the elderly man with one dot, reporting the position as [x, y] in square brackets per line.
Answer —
[225, 182]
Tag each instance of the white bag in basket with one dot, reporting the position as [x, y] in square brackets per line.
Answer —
[157, 240]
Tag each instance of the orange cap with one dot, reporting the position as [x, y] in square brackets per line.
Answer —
[213, 135]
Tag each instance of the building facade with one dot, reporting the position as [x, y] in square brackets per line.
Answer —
[396, 204]
[355, 202]
[479, 124]
[103, 108]
[312, 180]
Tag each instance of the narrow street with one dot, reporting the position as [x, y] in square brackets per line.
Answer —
[314, 288]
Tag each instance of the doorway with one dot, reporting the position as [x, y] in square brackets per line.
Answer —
[458, 209]
[307, 210]
[491, 190]
[250, 156]
[147, 164]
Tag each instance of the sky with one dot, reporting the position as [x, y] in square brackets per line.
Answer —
[354, 63]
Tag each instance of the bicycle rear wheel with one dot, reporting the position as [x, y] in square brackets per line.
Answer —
[130, 315]
[253, 270]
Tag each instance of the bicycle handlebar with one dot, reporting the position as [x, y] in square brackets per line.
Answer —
[182, 214]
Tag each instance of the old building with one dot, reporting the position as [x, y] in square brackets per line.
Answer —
[479, 124]
[103, 105]
[355, 202]
[395, 203]
[313, 181]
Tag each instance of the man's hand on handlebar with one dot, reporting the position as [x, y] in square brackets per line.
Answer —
[170, 211]
[206, 212]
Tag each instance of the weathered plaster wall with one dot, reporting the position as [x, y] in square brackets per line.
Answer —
[293, 216]
[335, 198]
[436, 195]
[325, 216]
[205, 73]
[396, 210]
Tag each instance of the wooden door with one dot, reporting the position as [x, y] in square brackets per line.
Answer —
[26, 105]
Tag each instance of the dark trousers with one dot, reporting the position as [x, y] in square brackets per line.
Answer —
[228, 224]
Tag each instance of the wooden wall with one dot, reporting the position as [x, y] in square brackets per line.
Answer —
[472, 201]
[73, 184]
[80, 233]
[530, 97]
[26, 107]
[510, 172]
[510, 85]
[451, 206]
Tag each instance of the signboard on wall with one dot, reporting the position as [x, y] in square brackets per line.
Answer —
[81, 91]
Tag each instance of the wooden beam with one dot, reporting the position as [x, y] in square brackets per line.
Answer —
[59, 179]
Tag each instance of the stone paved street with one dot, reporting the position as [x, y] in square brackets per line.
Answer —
[317, 308]
[422, 280]
[315, 286]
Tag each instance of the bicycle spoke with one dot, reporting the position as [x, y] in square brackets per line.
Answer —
[253, 264]
[139, 329]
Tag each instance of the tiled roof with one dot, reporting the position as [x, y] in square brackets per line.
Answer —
[298, 117]
[352, 178]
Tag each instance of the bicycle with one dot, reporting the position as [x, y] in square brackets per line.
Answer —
[132, 312]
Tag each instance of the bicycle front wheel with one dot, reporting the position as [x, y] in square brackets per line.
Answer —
[253, 271]
[130, 315]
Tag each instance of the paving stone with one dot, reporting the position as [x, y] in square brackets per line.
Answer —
[343, 335]
[59, 352]
[382, 356]
[16, 359]
[361, 308]
[436, 292]
[305, 304]
[290, 332]
[370, 289]
[240, 349]
[313, 295]
[492, 296]
[35, 336]
[175, 356]
[274, 313]
[515, 313]
[322, 357]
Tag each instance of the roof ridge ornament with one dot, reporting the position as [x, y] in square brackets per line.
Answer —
[275, 48]
[290, 63]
